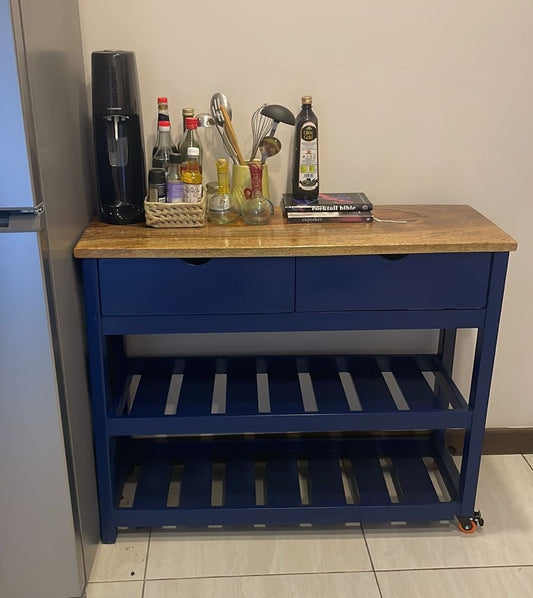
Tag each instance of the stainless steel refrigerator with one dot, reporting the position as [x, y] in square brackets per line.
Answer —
[48, 505]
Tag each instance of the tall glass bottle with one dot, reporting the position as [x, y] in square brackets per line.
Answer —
[190, 139]
[257, 209]
[192, 177]
[162, 115]
[164, 146]
[186, 113]
[305, 169]
[219, 206]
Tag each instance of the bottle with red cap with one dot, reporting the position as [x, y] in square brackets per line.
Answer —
[191, 139]
[162, 115]
[163, 149]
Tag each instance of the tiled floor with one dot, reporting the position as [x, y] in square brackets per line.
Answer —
[373, 561]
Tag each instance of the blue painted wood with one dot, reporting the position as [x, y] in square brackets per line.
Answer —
[284, 386]
[281, 480]
[241, 389]
[151, 395]
[373, 392]
[153, 485]
[196, 395]
[240, 482]
[285, 515]
[294, 322]
[223, 286]
[414, 386]
[480, 388]
[307, 422]
[100, 391]
[434, 291]
[445, 463]
[326, 482]
[415, 483]
[195, 490]
[369, 480]
[327, 385]
[372, 282]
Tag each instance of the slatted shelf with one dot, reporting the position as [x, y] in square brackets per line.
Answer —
[286, 480]
[277, 394]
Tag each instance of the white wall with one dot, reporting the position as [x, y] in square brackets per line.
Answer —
[426, 101]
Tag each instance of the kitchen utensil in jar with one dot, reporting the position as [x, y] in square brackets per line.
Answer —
[219, 100]
[260, 126]
[270, 146]
[208, 120]
[228, 127]
[278, 114]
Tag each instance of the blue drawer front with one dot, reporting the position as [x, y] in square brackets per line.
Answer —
[131, 287]
[417, 281]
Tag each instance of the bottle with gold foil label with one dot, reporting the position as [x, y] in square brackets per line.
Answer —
[305, 180]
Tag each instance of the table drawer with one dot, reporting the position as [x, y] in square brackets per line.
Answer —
[174, 286]
[373, 282]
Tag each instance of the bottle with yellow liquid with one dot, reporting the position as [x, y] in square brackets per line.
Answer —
[219, 207]
[192, 177]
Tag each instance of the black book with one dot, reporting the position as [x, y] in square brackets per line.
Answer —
[326, 202]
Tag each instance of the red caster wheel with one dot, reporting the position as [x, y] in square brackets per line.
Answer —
[467, 528]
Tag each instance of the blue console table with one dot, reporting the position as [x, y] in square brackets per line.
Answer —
[291, 439]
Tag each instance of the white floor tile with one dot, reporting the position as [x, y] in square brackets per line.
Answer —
[505, 497]
[115, 589]
[336, 585]
[500, 582]
[123, 561]
[176, 554]
[529, 459]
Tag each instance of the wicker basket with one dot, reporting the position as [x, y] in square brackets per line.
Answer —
[175, 215]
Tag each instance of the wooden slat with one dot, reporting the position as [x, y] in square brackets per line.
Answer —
[282, 484]
[196, 482]
[369, 480]
[327, 385]
[374, 394]
[413, 385]
[241, 390]
[284, 386]
[152, 488]
[239, 483]
[414, 480]
[196, 394]
[326, 482]
[428, 229]
[151, 395]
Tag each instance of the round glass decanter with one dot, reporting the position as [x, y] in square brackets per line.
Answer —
[257, 209]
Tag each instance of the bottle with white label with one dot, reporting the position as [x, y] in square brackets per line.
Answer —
[305, 169]
[192, 176]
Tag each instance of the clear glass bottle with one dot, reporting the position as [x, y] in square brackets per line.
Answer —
[192, 177]
[190, 139]
[175, 191]
[164, 147]
[257, 209]
[185, 113]
[219, 206]
[162, 115]
[305, 169]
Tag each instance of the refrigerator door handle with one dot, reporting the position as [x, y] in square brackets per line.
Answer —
[22, 220]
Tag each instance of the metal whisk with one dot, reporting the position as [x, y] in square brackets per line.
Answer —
[261, 125]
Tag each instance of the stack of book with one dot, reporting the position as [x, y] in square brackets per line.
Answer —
[328, 207]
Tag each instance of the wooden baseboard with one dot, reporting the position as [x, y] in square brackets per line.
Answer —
[497, 441]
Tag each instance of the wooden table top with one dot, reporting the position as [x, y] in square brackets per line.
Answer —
[418, 229]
